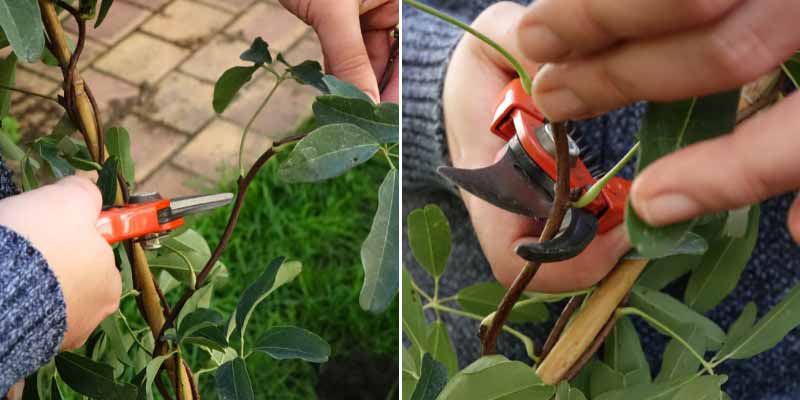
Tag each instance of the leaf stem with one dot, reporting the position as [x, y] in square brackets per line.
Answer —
[23, 91]
[523, 75]
[278, 80]
[529, 345]
[388, 156]
[635, 311]
[421, 292]
[597, 188]
[186, 261]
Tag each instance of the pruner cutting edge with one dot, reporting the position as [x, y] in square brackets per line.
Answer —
[148, 216]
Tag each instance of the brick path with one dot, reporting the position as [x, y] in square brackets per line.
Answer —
[152, 66]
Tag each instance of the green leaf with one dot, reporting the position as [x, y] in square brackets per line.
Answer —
[483, 299]
[380, 252]
[105, 5]
[258, 53]
[290, 343]
[233, 382]
[182, 256]
[792, 70]
[229, 85]
[413, 318]
[307, 73]
[668, 127]
[692, 244]
[344, 89]
[200, 299]
[199, 319]
[675, 315]
[91, 378]
[605, 379]
[118, 143]
[703, 388]
[213, 337]
[58, 165]
[429, 238]
[678, 362]
[55, 391]
[107, 181]
[441, 348]
[29, 179]
[8, 78]
[381, 121]
[411, 373]
[768, 332]
[739, 329]
[658, 391]
[721, 267]
[663, 271]
[274, 276]
[151, 371]
[566, 392]
[623, 350]
[327, 152]
[21, 22]
[432, 379]
[496, 377]
[83, 164]
[9, 149]
[118, 346]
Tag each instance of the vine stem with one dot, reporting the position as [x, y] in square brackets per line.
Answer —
[523, 75]
[279, 79]
[597, 188]
[29, 93]
[639, 313]
[557, 213]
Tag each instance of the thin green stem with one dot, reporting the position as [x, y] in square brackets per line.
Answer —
[278, 81]
[23, 91]
[448, 299]
[388, 156]
[523, 75]
[421, 292]
[595, 190]
[550, 298]
[436, 297]
[529, 346]
[789, 74]
[130, 330]
[635, 311]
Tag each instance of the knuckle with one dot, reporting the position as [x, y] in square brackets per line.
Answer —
[85, 191]
[705, 10]
[497, 11]
[739, 53]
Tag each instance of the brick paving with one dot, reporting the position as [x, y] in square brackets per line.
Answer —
[152, 66]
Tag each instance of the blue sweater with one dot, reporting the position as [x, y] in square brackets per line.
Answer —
[772, 271]
[33, 314]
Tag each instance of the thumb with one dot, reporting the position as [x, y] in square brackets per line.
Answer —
[339, 29]
[757, 161]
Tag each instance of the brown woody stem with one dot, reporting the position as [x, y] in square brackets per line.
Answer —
[557, 213]
[561, 323]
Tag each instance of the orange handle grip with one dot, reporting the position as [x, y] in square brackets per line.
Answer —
[134, 220]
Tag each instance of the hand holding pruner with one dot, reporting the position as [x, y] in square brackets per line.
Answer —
[523, 179]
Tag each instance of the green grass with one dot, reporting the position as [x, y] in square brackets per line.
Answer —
[322, 225]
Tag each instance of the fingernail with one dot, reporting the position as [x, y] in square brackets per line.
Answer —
[541, 44]
[667, 208]
[562, 104]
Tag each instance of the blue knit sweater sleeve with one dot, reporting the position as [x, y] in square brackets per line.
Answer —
[33, 314]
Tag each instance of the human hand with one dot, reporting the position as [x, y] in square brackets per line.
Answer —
[475, 77]
[356, 41]
[607, 53]
[60, 221]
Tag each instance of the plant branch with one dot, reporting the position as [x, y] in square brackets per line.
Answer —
[554, 220]
[523, 75]
[561, 323]
[597, 188]
[243, 184]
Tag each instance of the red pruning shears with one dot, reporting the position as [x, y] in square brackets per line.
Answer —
[148, 216]
[523, 180]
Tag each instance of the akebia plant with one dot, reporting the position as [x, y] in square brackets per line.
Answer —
[594, 350]
[167, 303]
